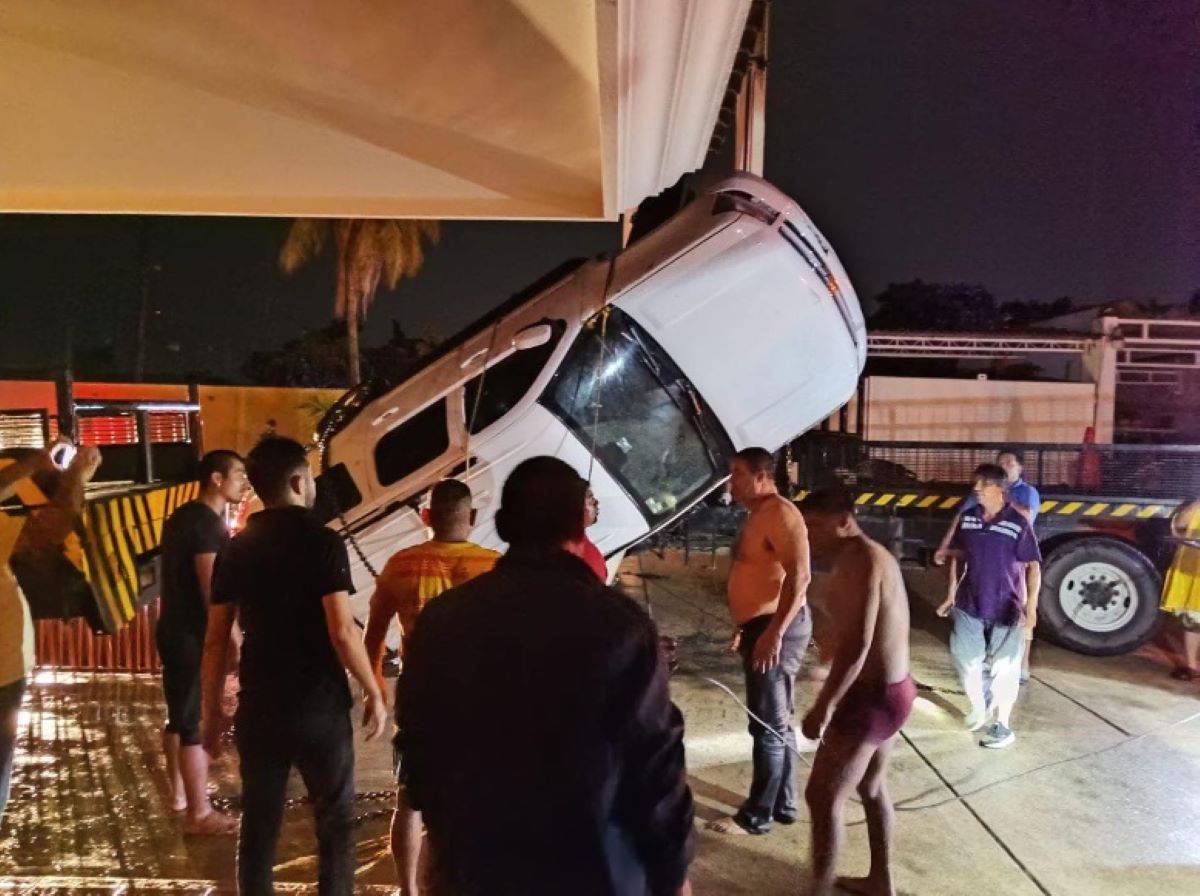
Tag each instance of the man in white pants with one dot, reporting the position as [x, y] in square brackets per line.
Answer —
[993, 604]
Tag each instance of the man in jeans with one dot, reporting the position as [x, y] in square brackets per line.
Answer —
[767, 595]
[286, 578]
[995, 604]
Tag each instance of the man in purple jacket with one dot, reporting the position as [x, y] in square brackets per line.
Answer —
[993, 605]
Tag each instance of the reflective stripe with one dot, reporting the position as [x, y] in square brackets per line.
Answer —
[1070, 508]
[1150, 511]
[1047, 506]
[884, 500]
[1123, 509]
[1095, 510]
[905, 500]
[927, 501]
[865, 498]
[950, 502]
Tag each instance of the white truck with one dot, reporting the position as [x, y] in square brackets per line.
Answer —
[732, 324]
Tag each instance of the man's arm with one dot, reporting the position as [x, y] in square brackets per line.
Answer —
[14, 472]
[1033, 587]
[382, 613]
[661, 810]
[942, 554]
[951, 586]
[859, 607]
[788, 538]
[57, 519]
[343, 634]
[212, 673]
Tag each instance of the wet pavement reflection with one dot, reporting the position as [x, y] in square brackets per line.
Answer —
[90, 806]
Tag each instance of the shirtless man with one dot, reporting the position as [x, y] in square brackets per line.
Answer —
[767, 593]
[866, 698]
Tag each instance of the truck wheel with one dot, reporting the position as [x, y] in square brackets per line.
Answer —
[1099, 596]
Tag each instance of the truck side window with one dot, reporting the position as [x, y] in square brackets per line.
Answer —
[420, 440]
[507, 382]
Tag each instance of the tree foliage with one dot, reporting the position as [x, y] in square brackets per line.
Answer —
[1025, 313]
[317, 358]
[945, 307]
[369, 251]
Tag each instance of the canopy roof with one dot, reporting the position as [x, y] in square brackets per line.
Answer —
[572, 109]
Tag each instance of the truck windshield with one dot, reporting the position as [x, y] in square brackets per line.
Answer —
[628, 402]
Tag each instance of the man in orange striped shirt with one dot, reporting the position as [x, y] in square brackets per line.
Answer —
[411, 578]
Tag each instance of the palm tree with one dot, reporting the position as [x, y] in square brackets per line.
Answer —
[369, 250]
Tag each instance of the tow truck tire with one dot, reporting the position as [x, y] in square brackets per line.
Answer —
[1100, 597]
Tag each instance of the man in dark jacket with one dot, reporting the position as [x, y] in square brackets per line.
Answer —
[538, 737]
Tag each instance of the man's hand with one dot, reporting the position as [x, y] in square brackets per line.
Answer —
[212, 733]
[946, 606]
[1031, 620]
[686, 889]
[375, 714]
[940, 555]
[767, 650]
[813, 725]
[736, 641]
[87, 461]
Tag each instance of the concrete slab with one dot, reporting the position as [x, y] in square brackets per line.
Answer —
[1097, 796]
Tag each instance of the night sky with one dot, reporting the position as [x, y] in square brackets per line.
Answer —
[1039, 147]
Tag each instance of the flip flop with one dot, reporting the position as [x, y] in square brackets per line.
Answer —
[214, 824]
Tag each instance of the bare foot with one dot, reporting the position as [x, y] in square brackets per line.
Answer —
[867, 886]
[179, 803]
[211, 824]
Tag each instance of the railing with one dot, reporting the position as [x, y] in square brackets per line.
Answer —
[1170, 472]
[71, 645]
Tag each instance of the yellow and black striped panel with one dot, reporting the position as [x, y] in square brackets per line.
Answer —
[119, 530]
[1082, 507]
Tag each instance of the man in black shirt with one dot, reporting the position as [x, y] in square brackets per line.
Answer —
[287, 579]
[536, 731]
[191, 538]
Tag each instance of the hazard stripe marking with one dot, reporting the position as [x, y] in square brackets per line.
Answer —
[1123, 510]
[865, 498]
[1096, 510]
[905, 500]
[1070, 508]
[928, 500]
[950, 502]
[1150, 511]
[884, 500]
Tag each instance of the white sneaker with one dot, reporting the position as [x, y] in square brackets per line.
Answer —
[997, 737]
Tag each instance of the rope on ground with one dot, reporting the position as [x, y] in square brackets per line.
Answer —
[961, 797]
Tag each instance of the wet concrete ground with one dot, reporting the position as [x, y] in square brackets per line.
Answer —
[1100, 794]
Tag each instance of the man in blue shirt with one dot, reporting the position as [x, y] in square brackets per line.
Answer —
[994, 604]
[1023, 496]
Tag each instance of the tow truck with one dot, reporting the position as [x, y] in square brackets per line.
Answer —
[1103, 525]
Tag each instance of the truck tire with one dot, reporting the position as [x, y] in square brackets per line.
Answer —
[1100, 596]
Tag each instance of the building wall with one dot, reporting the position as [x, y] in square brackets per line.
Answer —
[967, 410]
[235, 417]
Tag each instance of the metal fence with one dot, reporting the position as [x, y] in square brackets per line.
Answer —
[72, 645]
[1137, 471]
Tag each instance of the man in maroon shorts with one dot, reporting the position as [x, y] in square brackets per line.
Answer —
[866, 698]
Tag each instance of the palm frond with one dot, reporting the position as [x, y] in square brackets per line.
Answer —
[305, 240]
